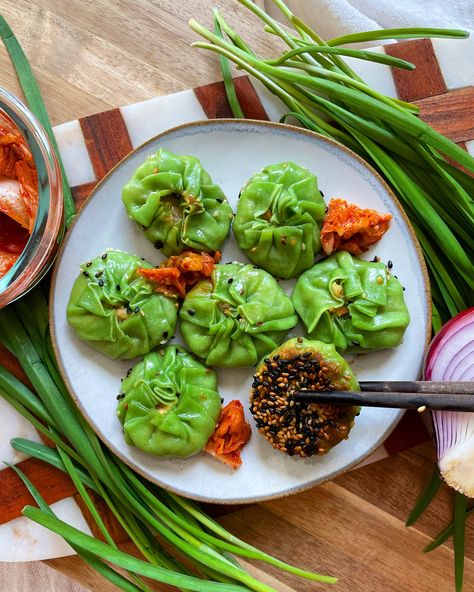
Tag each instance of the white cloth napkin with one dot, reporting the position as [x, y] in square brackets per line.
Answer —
[333, 18]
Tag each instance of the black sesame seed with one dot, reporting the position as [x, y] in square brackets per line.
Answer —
[218, 199]
[165, 334]
[85, 273]
[136, 309]
[89, 263]
[230, 280]
[191, 312]
[99, 273]
[321, 192]
[222, 400]
[117, 287]
[390, 264]
[104, 256]
[159, 245]
[403, 288]
[101, 283]
[121, 396]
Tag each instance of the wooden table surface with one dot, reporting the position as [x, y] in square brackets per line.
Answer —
[91, 56]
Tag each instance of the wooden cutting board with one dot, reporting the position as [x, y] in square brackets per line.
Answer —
[353, 526]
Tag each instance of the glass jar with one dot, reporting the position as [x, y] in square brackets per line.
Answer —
[45, 238]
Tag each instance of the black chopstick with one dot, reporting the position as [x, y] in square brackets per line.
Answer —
[442, 396]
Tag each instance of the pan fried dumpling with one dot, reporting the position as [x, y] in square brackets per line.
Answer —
[169, 405]
[279, 218]
[176, 204]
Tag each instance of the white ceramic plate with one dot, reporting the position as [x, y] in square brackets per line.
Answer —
[231, 151]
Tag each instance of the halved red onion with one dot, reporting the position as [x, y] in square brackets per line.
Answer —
[451, 357]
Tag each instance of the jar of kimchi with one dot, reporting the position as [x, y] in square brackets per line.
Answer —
[31, 201]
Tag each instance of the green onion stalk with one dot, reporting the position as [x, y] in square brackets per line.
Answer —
[178, 543]
[431, 176]
[324, 94]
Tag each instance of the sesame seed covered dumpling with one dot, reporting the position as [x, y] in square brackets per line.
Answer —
[297, 427]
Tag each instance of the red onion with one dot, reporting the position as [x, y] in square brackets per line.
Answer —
[451, 357]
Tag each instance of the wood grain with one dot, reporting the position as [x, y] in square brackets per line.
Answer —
[426, 80]
[451, 113]
[93, 56]
[107, 140]
[213, 99]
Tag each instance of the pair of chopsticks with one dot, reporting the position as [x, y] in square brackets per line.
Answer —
[421, 395]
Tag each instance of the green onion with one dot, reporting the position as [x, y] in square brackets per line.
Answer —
[425, 498]
[140, 507]
[320, 90]
[227, 76]
[408, 33]
[459, 538]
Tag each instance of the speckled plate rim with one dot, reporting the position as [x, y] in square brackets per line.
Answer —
[75, 397]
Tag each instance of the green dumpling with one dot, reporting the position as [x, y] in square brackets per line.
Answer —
[118, 311]
[352, 303]
[176, 204]
[279, 218]
[169, 403]
[236, 318]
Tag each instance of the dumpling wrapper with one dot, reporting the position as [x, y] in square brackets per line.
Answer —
[171, 404]
[279, 218]
[118, 311]
[236, 318]
[176, 204]
[352, 303]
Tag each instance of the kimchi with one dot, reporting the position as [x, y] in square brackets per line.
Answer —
[18, 193]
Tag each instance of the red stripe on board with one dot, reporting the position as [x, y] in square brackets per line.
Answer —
[410, 432]
[249, 100]
[426, 80]
[107, 140]
[451, 114]
[213, 100]
[53, 484]
[81, 192]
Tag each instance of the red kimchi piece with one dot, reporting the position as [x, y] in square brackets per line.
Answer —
[230, 436]
[175, 276]
[350, 228]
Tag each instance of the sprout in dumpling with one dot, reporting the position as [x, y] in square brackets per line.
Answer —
[352, 303]
[169, 403]
[279, 218]
[236, 318]
[176, 204]
[116, 310]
